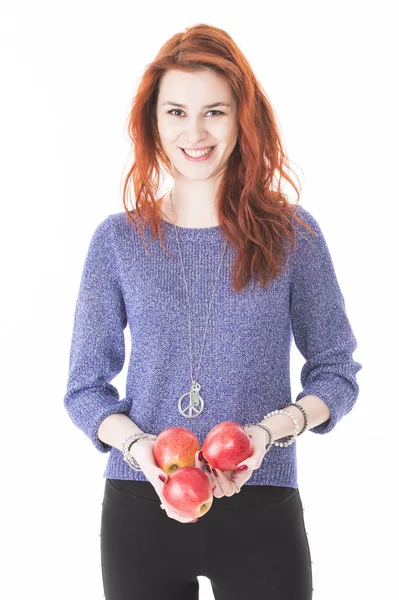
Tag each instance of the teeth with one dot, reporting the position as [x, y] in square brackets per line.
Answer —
[197, 153]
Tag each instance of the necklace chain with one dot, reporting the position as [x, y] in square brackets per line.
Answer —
[193, 381]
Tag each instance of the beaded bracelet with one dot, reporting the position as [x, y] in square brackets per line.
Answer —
[285, 412]
[270, 442]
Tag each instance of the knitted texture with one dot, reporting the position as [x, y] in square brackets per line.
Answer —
[245, 366]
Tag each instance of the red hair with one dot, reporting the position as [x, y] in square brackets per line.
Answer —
[253, 216]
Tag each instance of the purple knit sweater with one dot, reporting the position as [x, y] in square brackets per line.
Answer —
[244, 370]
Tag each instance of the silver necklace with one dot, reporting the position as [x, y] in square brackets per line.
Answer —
[196, 404]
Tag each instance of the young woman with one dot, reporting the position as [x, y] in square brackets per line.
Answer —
[214, 278]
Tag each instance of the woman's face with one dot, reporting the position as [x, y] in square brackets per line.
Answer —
[193, 124]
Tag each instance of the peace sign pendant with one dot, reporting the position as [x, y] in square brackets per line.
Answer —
[196, 405]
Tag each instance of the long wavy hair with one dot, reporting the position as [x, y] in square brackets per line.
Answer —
[253, 213]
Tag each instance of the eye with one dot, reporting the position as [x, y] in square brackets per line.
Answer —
[179, 110]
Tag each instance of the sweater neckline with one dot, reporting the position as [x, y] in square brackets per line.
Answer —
[194, 233]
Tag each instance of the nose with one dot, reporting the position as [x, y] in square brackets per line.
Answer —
[195, 132]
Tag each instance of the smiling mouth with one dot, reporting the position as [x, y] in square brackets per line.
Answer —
[202, 155]
[197, 149]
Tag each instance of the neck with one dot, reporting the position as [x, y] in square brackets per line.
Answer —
[190, 208]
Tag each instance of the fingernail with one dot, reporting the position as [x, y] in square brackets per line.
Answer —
[215, 472]
[200, 455]
[162, 478]
[208, 468]
[242, 468]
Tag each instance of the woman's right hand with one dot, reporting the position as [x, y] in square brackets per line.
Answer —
[143, 453]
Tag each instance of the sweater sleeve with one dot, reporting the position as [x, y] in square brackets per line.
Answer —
[321, 328]
[97, 350]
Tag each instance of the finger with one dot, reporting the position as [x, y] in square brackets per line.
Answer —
[159, 485]
[251, 464]
[241, 467]
[241, 479]
[198, 462]
[221, 477]
[226, 483]
[210, 474]
[216, 489]
[230, 480]
[222, 484]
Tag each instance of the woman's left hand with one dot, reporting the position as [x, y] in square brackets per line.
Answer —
[225, 480]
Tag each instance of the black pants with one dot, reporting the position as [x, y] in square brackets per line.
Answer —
[250, 545]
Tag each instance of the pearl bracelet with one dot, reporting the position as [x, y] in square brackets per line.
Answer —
[295, 421]
[303, 411]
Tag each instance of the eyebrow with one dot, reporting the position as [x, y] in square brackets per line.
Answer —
[206, 105]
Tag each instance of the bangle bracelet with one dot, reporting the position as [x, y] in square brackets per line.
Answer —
[128, 443]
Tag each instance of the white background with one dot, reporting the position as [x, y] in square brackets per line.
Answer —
[68, 74]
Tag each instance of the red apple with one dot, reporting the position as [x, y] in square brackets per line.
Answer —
[189, 492]
[226, 445]
[175, 448]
